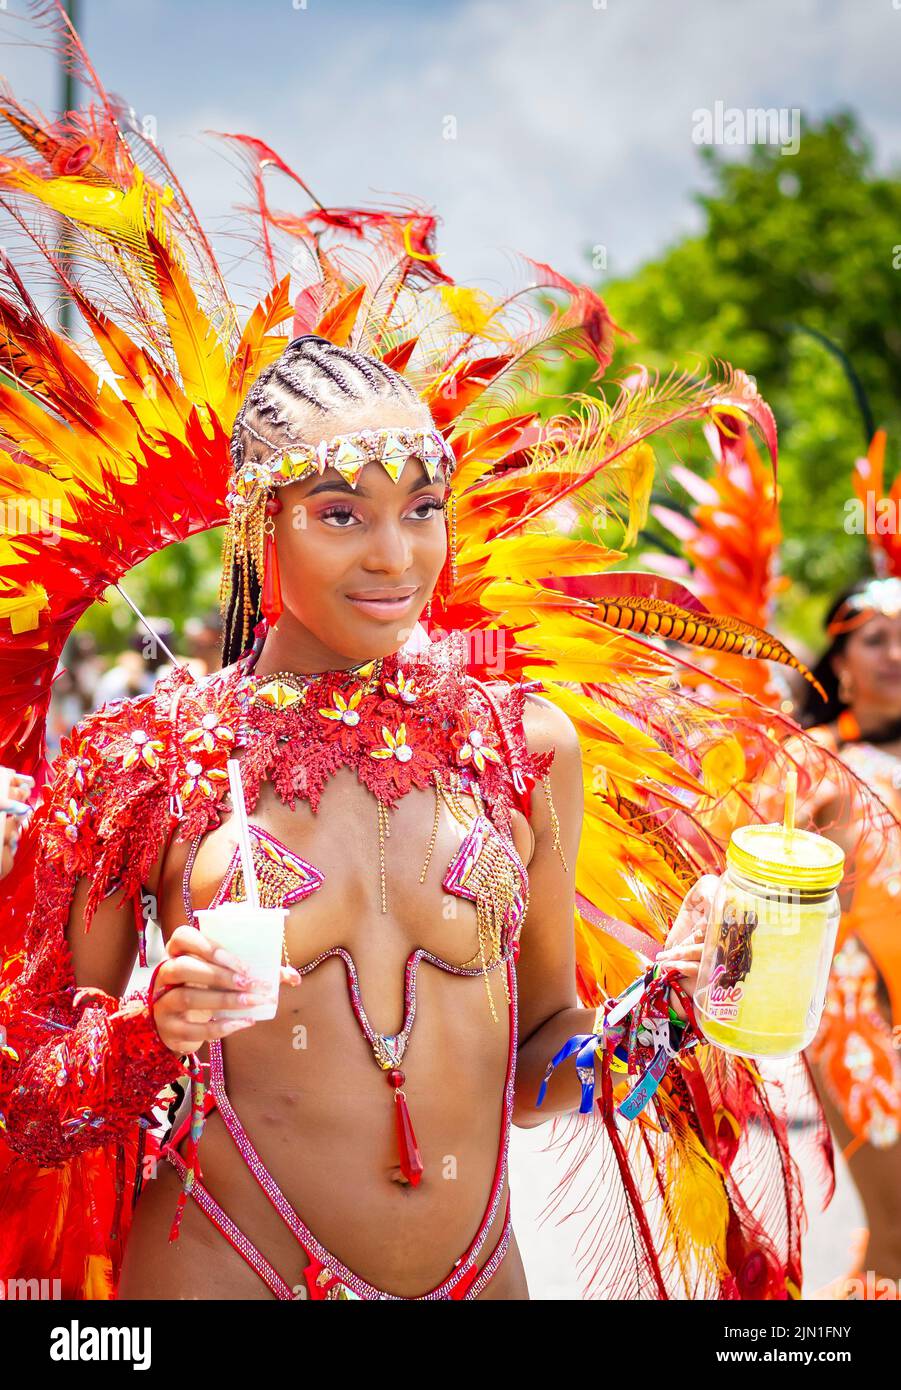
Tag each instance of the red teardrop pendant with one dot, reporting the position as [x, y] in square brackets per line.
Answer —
[410, 1158]
[271, 596]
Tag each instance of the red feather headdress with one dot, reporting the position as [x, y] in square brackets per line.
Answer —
[117, 441]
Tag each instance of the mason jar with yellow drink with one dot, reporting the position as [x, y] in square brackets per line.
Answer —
[770, 938]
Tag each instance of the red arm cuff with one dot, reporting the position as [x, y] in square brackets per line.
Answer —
[74, 1088]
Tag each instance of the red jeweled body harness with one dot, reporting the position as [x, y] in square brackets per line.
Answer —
[400, 723]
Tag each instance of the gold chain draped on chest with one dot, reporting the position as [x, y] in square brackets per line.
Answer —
[501, 893]
[489, 873]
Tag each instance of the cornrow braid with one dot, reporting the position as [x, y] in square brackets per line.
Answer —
[398, 385]
[371, 367]
[362, 366]
[315, 389]
[291, 375]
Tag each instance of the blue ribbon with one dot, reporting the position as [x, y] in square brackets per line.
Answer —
[584, 1045]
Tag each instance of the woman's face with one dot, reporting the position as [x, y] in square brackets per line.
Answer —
[358, 565]
[872, 659]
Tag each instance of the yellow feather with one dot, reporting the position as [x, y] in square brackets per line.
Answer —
[199, 353]
[722, 766]
[603, 958]
[472, 309]
[98, 1284]
[699, 1210]
[99, 206]
[534, 557]
[634, 473]
[24, 607]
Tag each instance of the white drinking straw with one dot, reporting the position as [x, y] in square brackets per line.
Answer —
[240, 810]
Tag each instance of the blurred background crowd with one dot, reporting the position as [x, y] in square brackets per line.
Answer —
[89, 675]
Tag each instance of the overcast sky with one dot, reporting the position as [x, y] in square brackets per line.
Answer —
[574, 119]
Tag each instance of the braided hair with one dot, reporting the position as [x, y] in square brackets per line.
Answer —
[313, 391]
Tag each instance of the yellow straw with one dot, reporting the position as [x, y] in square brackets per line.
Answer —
[791, 791]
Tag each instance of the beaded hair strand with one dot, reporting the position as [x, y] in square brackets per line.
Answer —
[312, 378]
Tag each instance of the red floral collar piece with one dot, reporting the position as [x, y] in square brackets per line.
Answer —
[398, 721]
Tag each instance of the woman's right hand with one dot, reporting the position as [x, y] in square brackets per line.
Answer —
[19, 787]
[195, 981]
[16, 813]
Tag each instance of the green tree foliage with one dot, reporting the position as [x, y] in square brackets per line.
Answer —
[811, 241]
[178, 583]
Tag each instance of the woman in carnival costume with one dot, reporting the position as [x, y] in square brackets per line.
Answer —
[849, 779]
[453, 748]
[857, 1048]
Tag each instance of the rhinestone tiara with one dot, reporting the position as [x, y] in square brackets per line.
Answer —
[879, 595]
[347, 454]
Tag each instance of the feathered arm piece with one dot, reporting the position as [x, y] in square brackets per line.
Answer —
[78, 1067]
[80, 1070]
[80, 1074]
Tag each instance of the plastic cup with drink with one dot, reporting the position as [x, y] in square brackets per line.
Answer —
[252, 933]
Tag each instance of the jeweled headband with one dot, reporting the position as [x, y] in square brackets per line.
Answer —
[347, 454]
[879, 596]
[251, 483]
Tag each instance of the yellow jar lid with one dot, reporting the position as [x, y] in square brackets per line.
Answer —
[802, 860]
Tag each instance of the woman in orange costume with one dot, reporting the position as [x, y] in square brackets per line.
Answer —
[856, 1056]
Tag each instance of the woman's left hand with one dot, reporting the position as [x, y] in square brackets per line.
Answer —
[685, 940]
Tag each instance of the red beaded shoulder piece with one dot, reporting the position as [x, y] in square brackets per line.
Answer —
[105, 811]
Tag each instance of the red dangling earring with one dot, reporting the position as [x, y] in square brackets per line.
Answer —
[271, 595]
